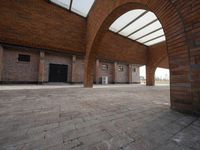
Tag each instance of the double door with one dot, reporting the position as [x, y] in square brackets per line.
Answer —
[58, 73]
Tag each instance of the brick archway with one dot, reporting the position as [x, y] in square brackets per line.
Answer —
[151, 70]
[156, 54]
[105, 12]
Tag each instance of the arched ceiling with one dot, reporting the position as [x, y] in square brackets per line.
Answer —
[139, 25]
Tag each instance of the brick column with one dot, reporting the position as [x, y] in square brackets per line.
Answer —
[41, 76]
[97, 71]
[115, 70]
[150, 76]
[90, 60]
[129, 73]
[73, 68]
[1, 62]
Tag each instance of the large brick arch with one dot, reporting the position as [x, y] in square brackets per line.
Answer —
[105, 12]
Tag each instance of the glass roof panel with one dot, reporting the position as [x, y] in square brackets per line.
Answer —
[151, 36]
[82, 7]
[125, 19]
[154, 26]
[62, 3]
[144, 20]
[156, 41]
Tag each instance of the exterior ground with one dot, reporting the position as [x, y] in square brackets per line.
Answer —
[63, 117]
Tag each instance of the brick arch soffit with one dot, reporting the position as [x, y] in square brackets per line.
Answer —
[156, 64]
[162, 12]
[158, 61]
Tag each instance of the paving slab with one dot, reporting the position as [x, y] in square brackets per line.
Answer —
[109, 117]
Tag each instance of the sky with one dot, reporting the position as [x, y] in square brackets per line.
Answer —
[160, 72]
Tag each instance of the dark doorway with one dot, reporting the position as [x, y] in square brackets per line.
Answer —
[58, 73]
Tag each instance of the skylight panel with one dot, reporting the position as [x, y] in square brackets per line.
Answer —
[156, 41]
[144, 28]
[82, 7]
[62, 3]
[144, 20]
[149, 29]
[151, 36]
[125, 19]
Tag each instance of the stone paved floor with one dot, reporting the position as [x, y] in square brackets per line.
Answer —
[132, 117]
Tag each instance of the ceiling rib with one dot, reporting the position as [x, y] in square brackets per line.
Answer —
[153, 39]
[142, 27]
[70, 6]
[132, 21]
[148, 34]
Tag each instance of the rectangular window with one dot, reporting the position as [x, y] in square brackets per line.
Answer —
[134, 70]
[104, 67]
[24, 58]
[120, 68]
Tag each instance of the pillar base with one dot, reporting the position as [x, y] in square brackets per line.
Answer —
[88, 86]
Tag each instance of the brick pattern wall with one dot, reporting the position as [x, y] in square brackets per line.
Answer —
[105, 72]
[32, 24]
[78, 72]
[190, 14]
[164, 63]
[14, 70]
[114, 46]
[25, 72]
[122, 76]
[40, 24]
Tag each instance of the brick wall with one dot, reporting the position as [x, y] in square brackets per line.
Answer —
[25, 72]
[122, 75]
[78, 72]
[106, 72]
[190, 14]
[43, 25]
[157, 55]
[114, 46]
[164, 63]
[40, 24]
[14, 70]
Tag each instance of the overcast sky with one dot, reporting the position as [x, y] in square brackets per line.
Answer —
[160, 72]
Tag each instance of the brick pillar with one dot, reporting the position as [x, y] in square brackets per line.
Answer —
[150, 76]
[73, 68]
[90, 61]
[1, 62]
[97, 71]
[41, 76]
[129, 73]
[115, 70]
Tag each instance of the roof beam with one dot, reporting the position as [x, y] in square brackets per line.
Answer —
[70, 5]
[142, 27]
[132, 21]
[153, 39]
[148, 34]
